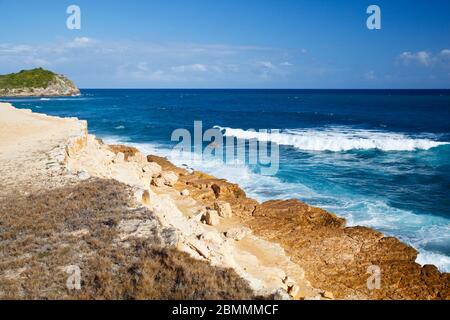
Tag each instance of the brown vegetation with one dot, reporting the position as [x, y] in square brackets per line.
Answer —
[43, 233]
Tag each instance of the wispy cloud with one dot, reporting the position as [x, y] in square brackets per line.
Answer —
[421, 57]
[81, 42]
[197, 67]
[146, 64]
[370, 75]
[425, 58]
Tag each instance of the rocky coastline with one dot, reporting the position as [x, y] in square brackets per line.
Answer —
[280, 249]
[336, 258]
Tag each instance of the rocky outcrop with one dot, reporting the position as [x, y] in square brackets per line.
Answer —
[343, 261]
[59, 86]
[238, 233]
[195, 228]
[223, 209]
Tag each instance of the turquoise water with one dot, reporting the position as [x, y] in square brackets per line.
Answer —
[377, 158]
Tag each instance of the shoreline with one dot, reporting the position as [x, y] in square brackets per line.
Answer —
[276, 245]
[323, 237]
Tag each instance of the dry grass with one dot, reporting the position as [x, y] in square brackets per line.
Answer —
[37, 241]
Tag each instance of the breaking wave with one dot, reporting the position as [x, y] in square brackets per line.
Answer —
[337, 139]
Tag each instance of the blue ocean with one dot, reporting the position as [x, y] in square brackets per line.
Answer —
[377, 158]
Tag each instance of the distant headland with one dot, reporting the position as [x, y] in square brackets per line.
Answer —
[36, 83]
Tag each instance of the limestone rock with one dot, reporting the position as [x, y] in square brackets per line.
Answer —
[129, 152]
[153, 169]
[185, 193]
[142, 196]
[200, 247]
[223, 208]
[146, 197]
[198, 217]
[83, 175]
[238, 233]
[170, 178]
[281, 294]
[120, 157]
[212, 237]
[158, 182]
[137, 157]
[289, 282]
[211, 218]
[294, 291]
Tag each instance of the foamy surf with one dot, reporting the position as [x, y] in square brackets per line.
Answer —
[337, 139]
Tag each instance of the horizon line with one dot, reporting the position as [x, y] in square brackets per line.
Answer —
[336, 89]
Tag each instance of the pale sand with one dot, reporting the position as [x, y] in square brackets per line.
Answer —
[38, 151]
[31, 149]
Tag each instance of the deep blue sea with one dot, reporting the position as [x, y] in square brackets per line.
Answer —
[377, 158]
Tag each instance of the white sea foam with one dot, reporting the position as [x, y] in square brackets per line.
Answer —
[439, 260]
[338, 139]
[34, 99]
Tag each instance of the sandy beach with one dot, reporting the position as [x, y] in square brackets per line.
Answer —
[68, 199]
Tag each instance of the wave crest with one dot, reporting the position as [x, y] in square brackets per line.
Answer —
[337, 139]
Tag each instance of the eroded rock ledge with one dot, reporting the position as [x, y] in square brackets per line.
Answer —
[335, 258]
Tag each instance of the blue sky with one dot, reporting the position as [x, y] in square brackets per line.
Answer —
[231, 44]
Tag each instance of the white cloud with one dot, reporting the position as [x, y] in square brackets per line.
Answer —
[445, 54]
[37, 62]
[7, 49]
[266, 65]
[268, 70]
[421, 57]
[197, 67]
[81, 42]
[141, 71]
[370, 76]
[426, 58]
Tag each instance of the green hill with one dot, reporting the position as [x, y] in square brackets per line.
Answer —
[36, 78]
[36, 82]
